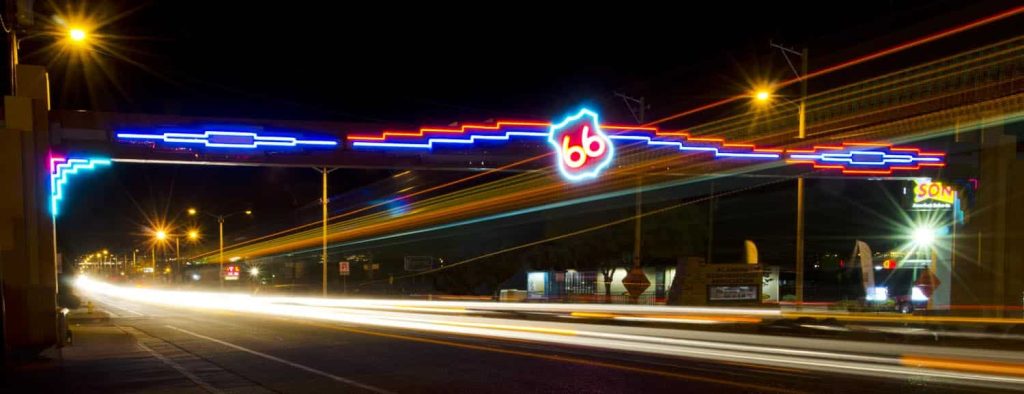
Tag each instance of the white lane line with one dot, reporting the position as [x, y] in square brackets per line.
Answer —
[282, 361]
[195, 379]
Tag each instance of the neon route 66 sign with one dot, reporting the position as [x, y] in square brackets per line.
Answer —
[584, 151]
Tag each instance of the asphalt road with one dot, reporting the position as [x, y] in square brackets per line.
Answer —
[243, 352]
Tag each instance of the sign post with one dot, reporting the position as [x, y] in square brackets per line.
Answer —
[344, 269]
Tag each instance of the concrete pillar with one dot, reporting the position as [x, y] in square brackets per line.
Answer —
[27, 262]
[990, 249]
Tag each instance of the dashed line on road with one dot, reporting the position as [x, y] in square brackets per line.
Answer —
[282, 361]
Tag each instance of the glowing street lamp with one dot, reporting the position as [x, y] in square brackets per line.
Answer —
[762, 96]
[77, 35]
[923, 236]
[193, 235]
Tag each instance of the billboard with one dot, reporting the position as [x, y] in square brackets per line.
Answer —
[732, 293]
[932, 195]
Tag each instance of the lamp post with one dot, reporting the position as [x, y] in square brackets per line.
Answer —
[801, 134]
[323, 247]
[177, 259]
[220, 231]
[159, 236]
[764, 96]
[75, 35]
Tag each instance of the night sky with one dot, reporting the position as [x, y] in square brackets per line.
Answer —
[431, 64]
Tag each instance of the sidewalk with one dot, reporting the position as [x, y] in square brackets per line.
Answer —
[104, 358]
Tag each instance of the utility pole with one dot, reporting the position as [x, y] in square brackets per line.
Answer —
[220, 230]
[637, 227]
[801, 134]
[323, 251]
[711, 223]
[177, 259]
[638, 108]
[636, 281]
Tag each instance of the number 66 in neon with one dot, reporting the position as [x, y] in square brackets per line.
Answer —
[576, 156]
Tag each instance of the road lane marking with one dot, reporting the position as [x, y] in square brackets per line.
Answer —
[282, 361]
[568, 359]
[195, 379]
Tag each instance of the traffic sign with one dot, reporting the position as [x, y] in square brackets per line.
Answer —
[636, 282]
[343, 268]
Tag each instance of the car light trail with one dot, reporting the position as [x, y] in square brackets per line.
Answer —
[984, 368]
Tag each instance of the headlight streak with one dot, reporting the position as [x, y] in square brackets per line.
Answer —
[872, 361]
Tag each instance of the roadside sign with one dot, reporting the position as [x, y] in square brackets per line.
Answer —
[232, 272]
[343, 268]
[418, 263]
[636, 282]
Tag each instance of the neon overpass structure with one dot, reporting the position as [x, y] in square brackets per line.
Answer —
[911, 122]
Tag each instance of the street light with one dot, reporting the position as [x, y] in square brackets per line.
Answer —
[77, 35]
[220, 225]
[762, 96]
[160, 235]
[923, 236]
[193, 235]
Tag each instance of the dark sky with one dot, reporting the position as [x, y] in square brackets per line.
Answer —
[434, 64]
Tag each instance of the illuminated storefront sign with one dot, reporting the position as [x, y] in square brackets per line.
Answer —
[232, 272]
[933, 195]
[583, 149]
